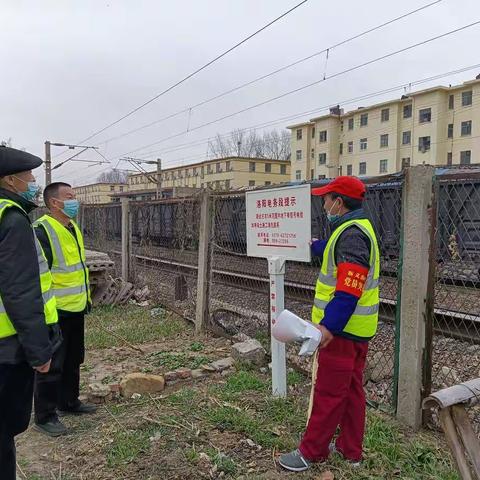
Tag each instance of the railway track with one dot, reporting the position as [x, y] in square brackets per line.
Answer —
[453, 324]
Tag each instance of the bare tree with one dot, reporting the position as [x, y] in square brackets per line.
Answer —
[113, 176]
[272, 144]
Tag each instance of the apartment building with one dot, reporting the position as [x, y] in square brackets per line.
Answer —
[436, 126]
[96, 193]
[229, 173]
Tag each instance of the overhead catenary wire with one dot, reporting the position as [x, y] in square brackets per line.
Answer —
[304, 87]
[326, 50]
[195, 72]
[283, 119]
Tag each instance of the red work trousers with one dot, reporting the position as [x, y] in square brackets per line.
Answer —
[338, 399]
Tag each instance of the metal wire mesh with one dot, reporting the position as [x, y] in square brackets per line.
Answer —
[164, 238]
[239, 289]
[102, 227]
[456, 318]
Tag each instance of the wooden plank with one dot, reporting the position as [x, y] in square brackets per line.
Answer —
[466, 392]
[469, 439]
[455, 444]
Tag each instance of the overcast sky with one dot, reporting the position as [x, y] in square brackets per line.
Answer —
[70, 68]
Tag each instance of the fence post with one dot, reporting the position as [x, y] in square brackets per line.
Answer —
[201, 315]
[126, 237]
[416, 300]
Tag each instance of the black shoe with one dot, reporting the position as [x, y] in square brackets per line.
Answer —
[52, 428]
[79, 409]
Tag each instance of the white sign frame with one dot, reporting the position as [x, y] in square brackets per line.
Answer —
[279, 220]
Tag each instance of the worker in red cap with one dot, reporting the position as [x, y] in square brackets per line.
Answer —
[346, 312]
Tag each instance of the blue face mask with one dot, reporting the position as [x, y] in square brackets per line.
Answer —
[71, 208]
[331, 217]
[31, 192]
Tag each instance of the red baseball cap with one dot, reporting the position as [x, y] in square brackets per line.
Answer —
[349, 186]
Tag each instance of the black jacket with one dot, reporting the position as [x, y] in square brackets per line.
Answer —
[35, 342]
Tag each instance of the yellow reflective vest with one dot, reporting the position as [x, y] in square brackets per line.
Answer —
[69, 271]
[363, 322]
[49, 304]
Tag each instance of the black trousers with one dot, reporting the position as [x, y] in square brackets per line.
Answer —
[16, 389]
[60, 387]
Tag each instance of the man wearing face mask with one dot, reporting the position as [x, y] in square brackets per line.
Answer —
[346, 312]
[29, 332]
[62, 242]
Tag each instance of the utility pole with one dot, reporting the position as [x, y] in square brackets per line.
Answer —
[159, 178]
[48, 164]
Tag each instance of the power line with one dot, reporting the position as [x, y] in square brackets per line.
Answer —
[274, 72]
[198, 70]
[303, 87]
[290, 117]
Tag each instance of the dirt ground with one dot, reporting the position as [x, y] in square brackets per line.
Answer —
[225, 425]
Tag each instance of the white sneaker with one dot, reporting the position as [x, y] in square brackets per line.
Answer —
[353, 463]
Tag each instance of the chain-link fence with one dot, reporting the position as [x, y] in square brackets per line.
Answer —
[455, 355]
[239, 288]
[164, 251]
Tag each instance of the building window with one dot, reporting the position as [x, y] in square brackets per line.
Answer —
[251, 183]
[299, 134]
[423, 144]
[227, 166]
[362, 168]
[298, 175]
[425, 115]
[312, 174]
[251, 166]
[299, 154]
[323, 136]
[450, 130]
[209, 171]
[466, 128]
[350, 147]
[202, 172]
[349, 169]
[350, 123]
[268, 168]
[321, 177]
[313, 132]
[363, 144]
[322, 158]
[383, 166]
[466, 98]
[385, 115]
[405, 162]
[227, 184]
[407, 111]
[384, 140]
[340, 169]
[217, 184]
[449, 158]
[312, 154]
[406, 138]
[112, 188]
[340, 150]
[465, 157]
[451, 102]
[283, 169]
[121, 188]
[268, 183]
[218, 168]
[364, 119]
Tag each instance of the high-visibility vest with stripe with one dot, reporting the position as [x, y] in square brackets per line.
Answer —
[363, 322]
[69, 270]
[49, 303]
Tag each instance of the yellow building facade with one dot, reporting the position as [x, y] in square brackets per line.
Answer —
[230, 173]
[436, 126]
[97, 193]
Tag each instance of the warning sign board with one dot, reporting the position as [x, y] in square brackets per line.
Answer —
[279, 223]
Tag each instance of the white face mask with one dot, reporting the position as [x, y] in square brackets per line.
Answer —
[332, 217]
